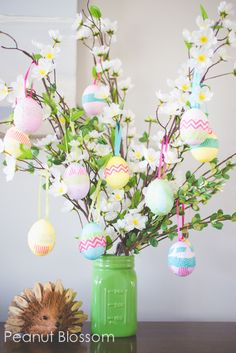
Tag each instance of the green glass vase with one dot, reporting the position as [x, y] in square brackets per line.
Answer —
[114, 296]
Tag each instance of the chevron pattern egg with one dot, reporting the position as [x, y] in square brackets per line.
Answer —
[92, 242]
[91, 104]
[207, 150]
[28, 115]
[117, 173]
[194, 126]
[181, 259]
[77, 181]
[13, 139]
[41, 238]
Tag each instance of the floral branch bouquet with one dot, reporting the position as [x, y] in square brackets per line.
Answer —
[125, 186]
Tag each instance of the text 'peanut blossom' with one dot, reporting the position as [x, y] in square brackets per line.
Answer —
[121, 178]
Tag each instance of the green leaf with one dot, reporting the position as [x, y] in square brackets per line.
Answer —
[233, 217]
[94, 72]
[172, 235]
[217, 225]
[26, 153]
[203, 13]
[109, 242]
[153, 242]
[76, 114]
[188, 44]
[35, 151]
[136, 198]
[37, 56]
[103, 160]
[95, 11]
[144, 138]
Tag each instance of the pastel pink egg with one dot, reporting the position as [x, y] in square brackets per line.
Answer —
[77, 181]
[13, 139]
[91, 104]
[28, 115]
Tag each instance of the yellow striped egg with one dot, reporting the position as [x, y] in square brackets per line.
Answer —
[41, 238]
[207, 150]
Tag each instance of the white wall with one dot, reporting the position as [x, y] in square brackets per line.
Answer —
[151, 48]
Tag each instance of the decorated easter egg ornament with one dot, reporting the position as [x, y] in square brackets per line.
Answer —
[92, 243]
[194, 124]
[42, 236]
[117, 170]
[207, 150]
[13, 140]
[92, 104]
[28, 115]
[77, 181]
[159, 195]
[181, 257]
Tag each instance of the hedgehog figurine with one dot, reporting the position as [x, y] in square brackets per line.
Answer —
[47, 308]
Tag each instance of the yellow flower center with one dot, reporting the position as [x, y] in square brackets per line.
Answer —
[201, 96]
[138, 155]
[117, 197]
[135, 221]
[203, 39]
[49, 55]
[185, 87]
[4, 90]
[42, 72]
[151, 159]
[61, 190]
[201, 58]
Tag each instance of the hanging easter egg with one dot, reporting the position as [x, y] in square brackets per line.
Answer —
[207, 150]
[194, 126]
[12, 141]
[181, 258]
[92, 242]
[117, 172]
[77, 181]
[159, 197]
[92, 104]
[41, 238]
[28, 115]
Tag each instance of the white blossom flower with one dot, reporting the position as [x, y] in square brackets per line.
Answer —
[58, 188]
[103, 66]
[171, 156]
[228, 24]
[204, 24]
[125, 85]
[49, 52]
[128, 116]
[151, 158]
[117, 195]
[225, 9]
[169, 108]
[17, 90]
[115, 67]
[3, 90]
[201, 57]
[108, 26]
[100, 51]
[158, 137]
[112, 111]
[103, 92]
[76, 155]
[55, 35]
[183, 83]
[120, 226]
[83, 33]
[67, 206]
[187, 35]
[110, 231]
[202, 94]
[205, 38]
[101, 149]
[42, 69]
[78, 21]
[223, 54]
[49, 139]
[135, 221]
[232, 39]
[137, 152]
[163, 97]
[56, 173]
[10, 168]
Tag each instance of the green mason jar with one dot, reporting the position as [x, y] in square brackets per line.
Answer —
[114, 296]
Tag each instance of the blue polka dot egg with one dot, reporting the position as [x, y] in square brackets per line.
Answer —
[92, 242]
[181, 258]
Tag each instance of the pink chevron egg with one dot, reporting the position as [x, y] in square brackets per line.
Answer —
[77, 181]
[41, 238]
[28, 115]
[194, 126]
[13, 139]
[92, 242]
[117, 172]
[92, 103]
